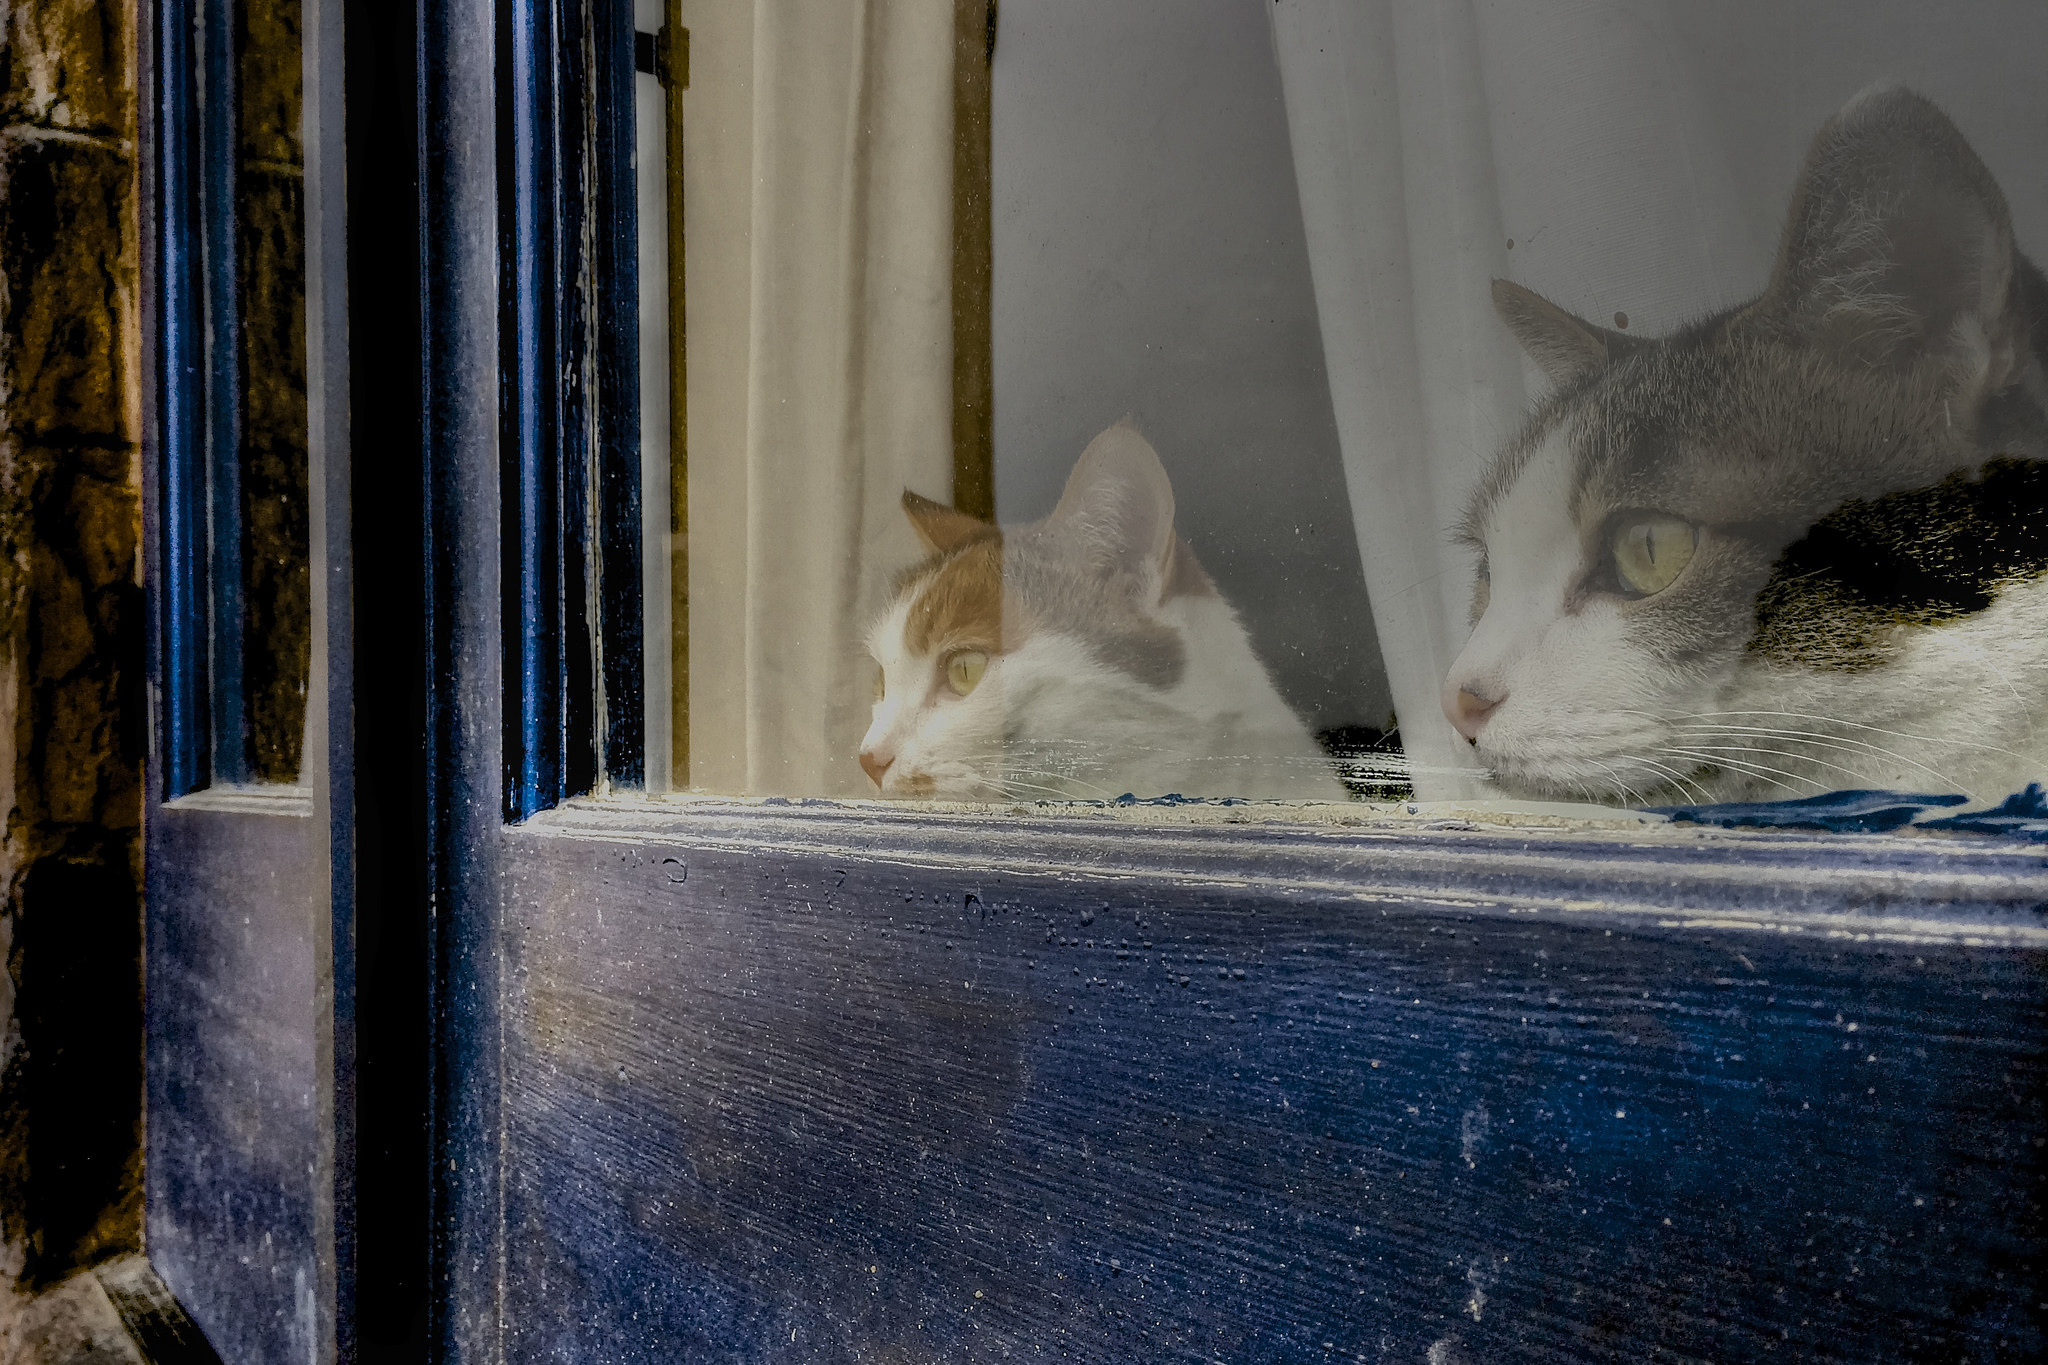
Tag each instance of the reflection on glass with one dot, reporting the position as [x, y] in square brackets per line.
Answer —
[1799, 544]
[1084, 655]
[1388, 402]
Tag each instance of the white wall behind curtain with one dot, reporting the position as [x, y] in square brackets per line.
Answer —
[1640, 156]
[819, 270]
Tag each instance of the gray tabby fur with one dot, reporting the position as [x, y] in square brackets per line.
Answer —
[1902, 338]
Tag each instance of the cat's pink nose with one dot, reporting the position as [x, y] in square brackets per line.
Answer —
[874, 767]
[1468, 710]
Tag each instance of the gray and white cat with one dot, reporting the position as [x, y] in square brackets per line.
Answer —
[1083, 656]
[1797, 546]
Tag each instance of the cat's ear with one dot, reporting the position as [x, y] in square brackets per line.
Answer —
[1898, 249]
[1117, 507]
[1563, 347]
[941, 528]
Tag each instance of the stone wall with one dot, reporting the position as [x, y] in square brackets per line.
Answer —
[71, 637]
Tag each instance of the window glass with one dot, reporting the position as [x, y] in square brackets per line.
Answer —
[270, 248]
[234, 509]
[1323, 401]
[660, 66]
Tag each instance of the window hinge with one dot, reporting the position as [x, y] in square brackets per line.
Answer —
[664, 55]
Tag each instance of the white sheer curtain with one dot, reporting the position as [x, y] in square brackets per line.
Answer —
[819, 221]
[1639, 157]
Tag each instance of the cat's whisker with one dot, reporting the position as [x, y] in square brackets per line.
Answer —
[1068, 792]
[1010, 788]
[1846, 744]
[1000, 761]
[1707, 753]
[1776, 776]
[1627, 789]
[1584, 788]
[1858, 725]
[1685, 787]
[1854, 774]
[1673, 779]
[1689, 777]
[1034, 791]
[1781, 732]
[1810, 753]
[1826, 742]
[1027, 774]
[1838, 743]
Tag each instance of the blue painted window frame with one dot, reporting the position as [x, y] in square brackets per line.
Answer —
[526, 875]
[569, 398]
[192, 191]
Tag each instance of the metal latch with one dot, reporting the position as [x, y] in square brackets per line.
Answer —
[664, 57]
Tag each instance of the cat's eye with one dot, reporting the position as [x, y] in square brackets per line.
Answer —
[964, 670]
[881, 684]
[1651, 550]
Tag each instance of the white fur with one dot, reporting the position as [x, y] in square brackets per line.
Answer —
[1050, 722]
[1586, 711]
[1578, 703]
[1959, 709]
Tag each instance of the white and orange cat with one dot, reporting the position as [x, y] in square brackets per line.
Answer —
[1083, 656]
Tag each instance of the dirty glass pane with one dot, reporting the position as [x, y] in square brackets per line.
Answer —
[1346, 402]
[234, 512]
[271, 268]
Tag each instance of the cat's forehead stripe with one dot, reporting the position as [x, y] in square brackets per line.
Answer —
[960, 603]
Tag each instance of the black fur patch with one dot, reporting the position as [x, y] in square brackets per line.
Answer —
[1840, 596]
